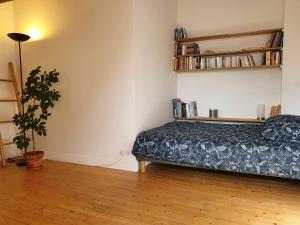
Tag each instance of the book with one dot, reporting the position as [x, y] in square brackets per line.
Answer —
[251, 59]
[272, 58]
[184, 110]
[174, 103]
[277, 58]
[245, 62]
[275, 41]
[188, 110]
[180, 34]
[268, 58]
[178, 109]
[219, 62]
[187, 63]
[187, 49]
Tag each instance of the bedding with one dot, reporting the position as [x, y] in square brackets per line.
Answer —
[284, 119]
[282, 128]
[279, 131]
[229, 147]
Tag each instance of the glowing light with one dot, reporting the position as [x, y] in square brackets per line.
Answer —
[35, 34]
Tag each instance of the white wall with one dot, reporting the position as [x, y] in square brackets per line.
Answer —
[291, 66]
[154, 23]
[7, 54]
[235, 94]
[115, 61]
[90, 45]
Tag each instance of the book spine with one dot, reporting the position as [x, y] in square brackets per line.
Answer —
[183, 110]
[178, 109]
[277, 58]
[268, 58]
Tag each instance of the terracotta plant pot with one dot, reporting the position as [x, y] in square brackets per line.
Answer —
[34, 160]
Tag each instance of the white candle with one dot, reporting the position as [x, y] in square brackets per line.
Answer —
[261, 111]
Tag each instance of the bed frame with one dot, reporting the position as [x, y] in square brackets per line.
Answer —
[142, 168]
[142, 163]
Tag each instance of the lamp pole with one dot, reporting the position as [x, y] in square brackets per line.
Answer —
[20, 60]
[18, 37]
[21, 73]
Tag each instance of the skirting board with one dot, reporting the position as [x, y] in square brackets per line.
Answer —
[124, 163]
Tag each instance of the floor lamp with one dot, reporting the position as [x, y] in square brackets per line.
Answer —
[18, 37]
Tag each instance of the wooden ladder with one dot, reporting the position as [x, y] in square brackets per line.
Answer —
[12, 81]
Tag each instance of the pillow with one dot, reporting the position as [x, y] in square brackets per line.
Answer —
[282, 128]
[280, 131]
[284, 119]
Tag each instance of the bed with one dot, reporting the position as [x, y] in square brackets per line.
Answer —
[264, 149]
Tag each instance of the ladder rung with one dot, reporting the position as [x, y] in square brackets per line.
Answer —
[6, 80]
[8, 100]
[8, 143]
[6, 121]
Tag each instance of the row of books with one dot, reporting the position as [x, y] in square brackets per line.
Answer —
[180, 34]
[272, 58]
[276, 40]
[182, 49]
[184, 110]
[187, 63]
[192, 63]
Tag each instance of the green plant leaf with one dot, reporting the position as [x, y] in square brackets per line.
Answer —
[38, 97]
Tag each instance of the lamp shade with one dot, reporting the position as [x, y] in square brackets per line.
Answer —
[18, 37]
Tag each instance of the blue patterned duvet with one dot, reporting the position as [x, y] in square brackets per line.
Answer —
[229, 147]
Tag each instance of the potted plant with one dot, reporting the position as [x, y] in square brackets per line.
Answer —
[38, 97]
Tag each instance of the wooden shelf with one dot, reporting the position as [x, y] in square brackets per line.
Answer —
[5, 121]
[8, 100]
[232, 35]
[229, 69]
[227, 53]
[8, 143]
[5, 80]
[2, 1]
[230, 120]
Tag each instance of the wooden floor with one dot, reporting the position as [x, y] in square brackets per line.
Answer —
[165, 195]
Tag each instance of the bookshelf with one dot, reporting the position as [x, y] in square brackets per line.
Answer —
[232, 35]
[220, 119]
[241, 52]
[230, 69]
[181, 59]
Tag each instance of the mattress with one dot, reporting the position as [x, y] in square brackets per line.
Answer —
[228, 147]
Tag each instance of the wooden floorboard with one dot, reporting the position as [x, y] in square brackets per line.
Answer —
[64, 194]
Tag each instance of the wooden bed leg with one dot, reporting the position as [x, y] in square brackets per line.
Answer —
[142, 166]
[2, 156]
